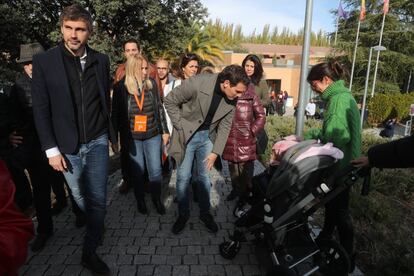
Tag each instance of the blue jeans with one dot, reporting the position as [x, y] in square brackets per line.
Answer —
[146, 153]
[198, 148]
[87, 176]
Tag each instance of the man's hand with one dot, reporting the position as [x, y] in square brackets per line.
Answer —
[210, 159]
[58, 163]
[115, 147]
[165, 139]
[14, 139]
[362, 161]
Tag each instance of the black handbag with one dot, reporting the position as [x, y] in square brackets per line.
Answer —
[261, 142]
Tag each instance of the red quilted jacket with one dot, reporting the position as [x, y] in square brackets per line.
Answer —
[15, 229]
[249, 119]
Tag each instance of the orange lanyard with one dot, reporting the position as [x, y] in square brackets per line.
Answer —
[140, 104]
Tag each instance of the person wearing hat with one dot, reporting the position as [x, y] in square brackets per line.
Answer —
[26, 153]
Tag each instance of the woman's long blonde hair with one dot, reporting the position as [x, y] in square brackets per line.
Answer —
[134, 80]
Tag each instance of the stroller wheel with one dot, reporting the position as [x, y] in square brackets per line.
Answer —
[334, 260]
[229, 249]
[280, 270]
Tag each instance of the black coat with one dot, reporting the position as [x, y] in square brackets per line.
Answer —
[120, 114]
[53, 108]
[395, 154]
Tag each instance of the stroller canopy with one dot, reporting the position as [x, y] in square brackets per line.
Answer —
[298, 163]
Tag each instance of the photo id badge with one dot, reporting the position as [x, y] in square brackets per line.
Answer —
[140, 123]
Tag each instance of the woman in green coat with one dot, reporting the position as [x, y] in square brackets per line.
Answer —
[341, 126]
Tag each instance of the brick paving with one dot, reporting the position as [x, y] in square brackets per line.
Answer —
[136, 244]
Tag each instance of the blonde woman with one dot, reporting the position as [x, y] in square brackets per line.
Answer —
[139, 117]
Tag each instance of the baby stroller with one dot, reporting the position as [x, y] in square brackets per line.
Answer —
[282, 201]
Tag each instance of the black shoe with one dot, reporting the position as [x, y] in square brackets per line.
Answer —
[175, 199]
[232, 196]
[159, 206]
[179, 225]
[94, 264]
[142, 207]
[209, 222]
[80, 221]
[40, 242]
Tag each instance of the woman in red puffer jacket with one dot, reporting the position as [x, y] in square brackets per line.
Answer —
[240, 150]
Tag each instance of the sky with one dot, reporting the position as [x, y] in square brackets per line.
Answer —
[251, 14]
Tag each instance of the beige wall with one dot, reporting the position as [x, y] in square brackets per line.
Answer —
[289, 76]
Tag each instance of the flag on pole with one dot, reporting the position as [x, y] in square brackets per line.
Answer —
[386, 6]
[363, 11]
[341, 12]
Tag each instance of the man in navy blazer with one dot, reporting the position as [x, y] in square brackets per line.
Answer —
[70, 90]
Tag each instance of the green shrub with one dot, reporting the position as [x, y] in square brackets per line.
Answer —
[381, 106]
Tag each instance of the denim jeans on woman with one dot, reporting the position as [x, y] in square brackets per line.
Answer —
[198, 148]
[146, 154]
[87, 177]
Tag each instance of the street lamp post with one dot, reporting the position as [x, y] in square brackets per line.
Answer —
[376, 48]
[303, 88]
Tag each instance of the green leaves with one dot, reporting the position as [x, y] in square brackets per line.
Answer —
[160, 26]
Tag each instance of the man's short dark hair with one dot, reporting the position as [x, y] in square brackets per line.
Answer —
[76, 12]
[131, 40]
[234, 74]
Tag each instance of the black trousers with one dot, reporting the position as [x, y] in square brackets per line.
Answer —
[23, 195]
[41, 176]
[337, 216]
[241, 175]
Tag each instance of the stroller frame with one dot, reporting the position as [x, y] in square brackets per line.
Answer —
[329, 256]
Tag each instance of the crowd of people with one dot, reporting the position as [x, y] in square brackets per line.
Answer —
[59, 120]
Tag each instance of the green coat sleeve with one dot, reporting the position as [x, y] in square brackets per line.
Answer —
[314, 133]
[336, 130]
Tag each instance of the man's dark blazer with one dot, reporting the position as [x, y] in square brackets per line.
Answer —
[53, 108]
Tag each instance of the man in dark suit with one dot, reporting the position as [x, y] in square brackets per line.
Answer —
[70, 90]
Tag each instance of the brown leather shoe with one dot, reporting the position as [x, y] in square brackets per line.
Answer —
[123, 187]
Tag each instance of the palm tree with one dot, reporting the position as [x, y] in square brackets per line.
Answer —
[205, 45]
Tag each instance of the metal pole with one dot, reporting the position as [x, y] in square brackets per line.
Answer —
[378, 54]
[366, 87]
[409, 82]
[337, 27]
[304, 69]
[353, 59]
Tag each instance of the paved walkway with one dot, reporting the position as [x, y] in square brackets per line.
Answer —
[144, 245]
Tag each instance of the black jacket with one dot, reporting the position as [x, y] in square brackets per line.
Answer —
[120, 113]
[53, 106]
[395, 154]
[5, 121]
[22, 107]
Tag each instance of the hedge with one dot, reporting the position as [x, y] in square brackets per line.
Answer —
[383, 106]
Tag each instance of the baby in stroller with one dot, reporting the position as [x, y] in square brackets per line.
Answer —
[282, 200]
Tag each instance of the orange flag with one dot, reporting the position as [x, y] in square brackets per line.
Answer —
[363, 11]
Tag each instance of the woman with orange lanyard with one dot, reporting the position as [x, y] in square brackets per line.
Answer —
[139, 117]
